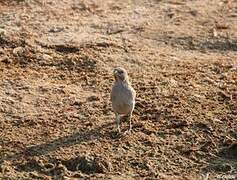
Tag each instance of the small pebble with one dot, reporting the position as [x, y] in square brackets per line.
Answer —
[18, 51]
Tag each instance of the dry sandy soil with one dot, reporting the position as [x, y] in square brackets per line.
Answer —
[56, 61]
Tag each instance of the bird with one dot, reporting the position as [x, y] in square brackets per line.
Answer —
[122, 96]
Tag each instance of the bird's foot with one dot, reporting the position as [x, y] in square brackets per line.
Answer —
[119, 130]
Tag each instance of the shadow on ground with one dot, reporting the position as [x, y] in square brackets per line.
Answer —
[66, 141]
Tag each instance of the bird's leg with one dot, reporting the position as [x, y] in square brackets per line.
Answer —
[118, 122]
[130, 121]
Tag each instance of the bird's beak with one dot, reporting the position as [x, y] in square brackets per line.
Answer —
[116, 75]
[115, 72]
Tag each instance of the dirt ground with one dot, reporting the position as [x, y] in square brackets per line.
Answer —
[56, 62]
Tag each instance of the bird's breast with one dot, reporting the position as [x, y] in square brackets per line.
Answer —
[123, 99]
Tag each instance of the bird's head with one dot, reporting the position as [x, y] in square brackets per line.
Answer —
[120, 74]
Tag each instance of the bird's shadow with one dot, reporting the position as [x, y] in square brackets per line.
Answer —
[66, 141]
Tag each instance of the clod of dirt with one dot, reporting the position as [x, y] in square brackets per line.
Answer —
[179, 124]
[156, 116]
[193, 12]
[140, 104]
[188, 150]
[222, 26]
[223, 96]
[66, 48]
[205, 127]
[60, 169]
[5, 166]
[77, 103]
[112, 29]
[35, 175]
[115, 135]
[1, 50]
[80, 175]
[6, 60]
[18, 51]
[207, 146]
[86, 164]
[93, 98]
[49, 166]
[56, 29]
[2, 32]
[139, 164]
[46, 57]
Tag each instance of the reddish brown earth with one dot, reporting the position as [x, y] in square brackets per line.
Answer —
[56, 61]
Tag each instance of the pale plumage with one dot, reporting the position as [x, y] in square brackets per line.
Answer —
[122, 96]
